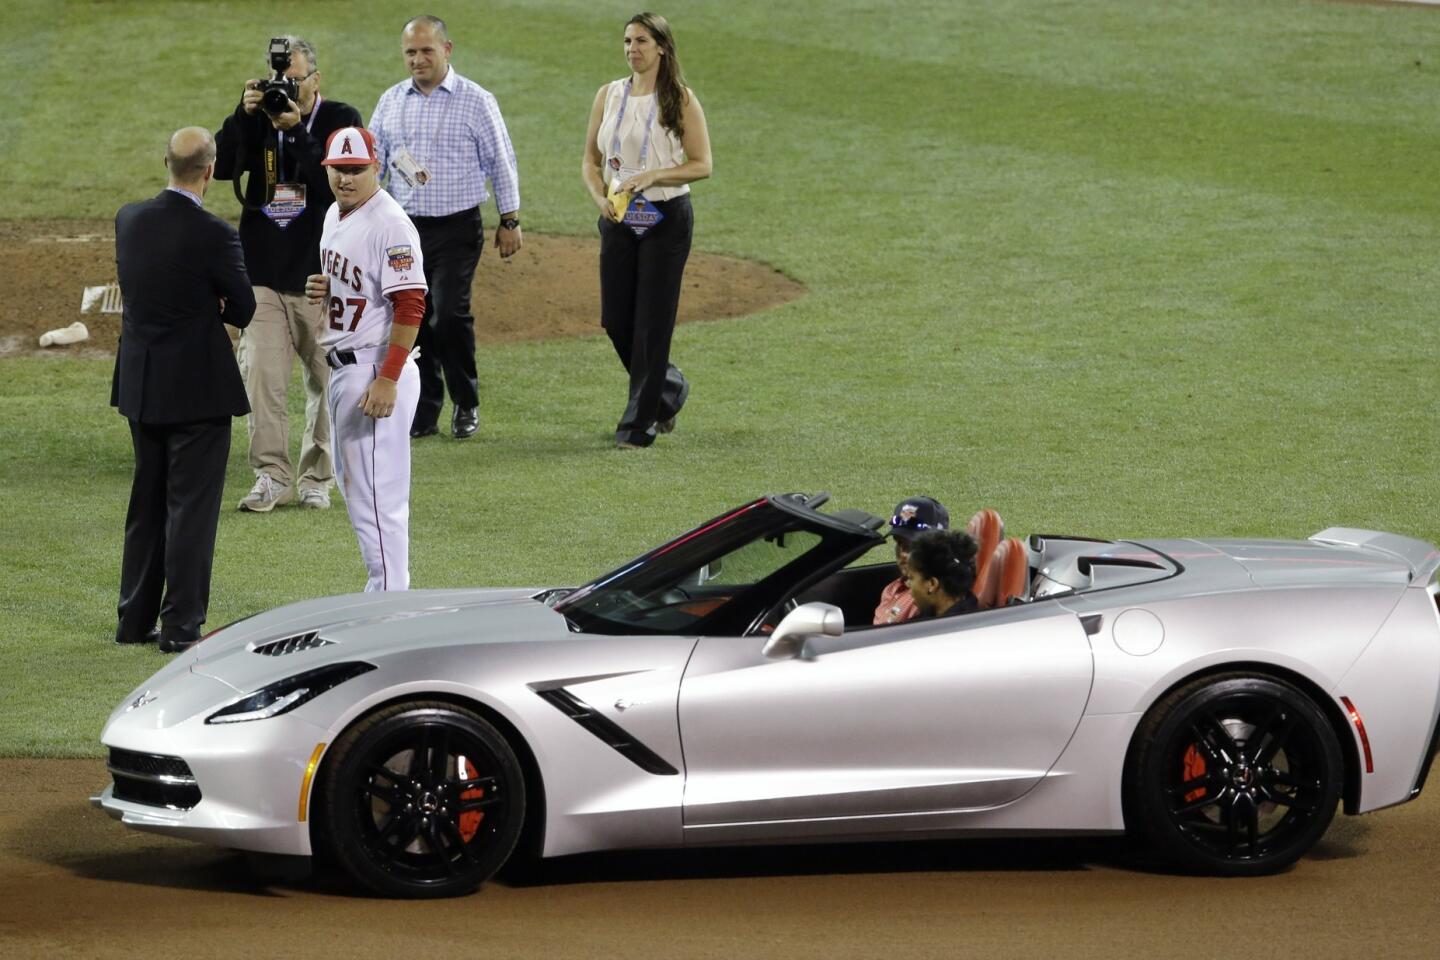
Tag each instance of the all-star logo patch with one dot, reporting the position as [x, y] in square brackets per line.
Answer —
[401, 257]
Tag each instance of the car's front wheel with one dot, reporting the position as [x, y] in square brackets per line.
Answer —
[1234, 775]
[421, 800]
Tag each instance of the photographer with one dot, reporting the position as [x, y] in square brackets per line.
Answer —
[277, 136]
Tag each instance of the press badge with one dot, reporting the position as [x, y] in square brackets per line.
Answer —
[641, 215]
[622, 174]
[409, 169]
[287, 204]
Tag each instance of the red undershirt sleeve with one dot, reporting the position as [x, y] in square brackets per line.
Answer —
[409, 311]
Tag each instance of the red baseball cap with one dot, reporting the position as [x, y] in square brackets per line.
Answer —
[349, 147]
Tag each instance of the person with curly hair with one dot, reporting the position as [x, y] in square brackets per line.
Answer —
[942, 573]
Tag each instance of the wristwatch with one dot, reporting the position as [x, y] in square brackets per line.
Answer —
[510, 223]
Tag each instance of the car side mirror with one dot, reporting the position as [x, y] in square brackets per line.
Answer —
[805, 621]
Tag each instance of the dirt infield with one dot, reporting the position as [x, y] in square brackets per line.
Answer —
[73, 883]
[551, 288]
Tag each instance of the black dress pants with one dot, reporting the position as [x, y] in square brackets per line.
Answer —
[640, 280]
[170, 526]
[451, 248]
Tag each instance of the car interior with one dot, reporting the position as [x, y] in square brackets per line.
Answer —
[1008, 571]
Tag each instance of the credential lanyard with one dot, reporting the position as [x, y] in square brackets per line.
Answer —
[272, 174]
[430, 150]
[649, 125]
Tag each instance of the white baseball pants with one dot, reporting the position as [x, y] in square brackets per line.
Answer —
[372, 467]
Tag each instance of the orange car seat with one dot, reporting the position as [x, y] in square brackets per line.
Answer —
[1007, 575]
[988, 530]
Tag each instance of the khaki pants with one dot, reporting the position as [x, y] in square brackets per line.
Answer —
[285, 326]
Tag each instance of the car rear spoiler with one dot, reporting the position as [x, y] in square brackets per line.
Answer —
[1422, 558]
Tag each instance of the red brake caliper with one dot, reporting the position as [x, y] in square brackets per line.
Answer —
[470, 819]
[1194, 770]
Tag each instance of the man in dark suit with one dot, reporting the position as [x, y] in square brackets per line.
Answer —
[182, 275]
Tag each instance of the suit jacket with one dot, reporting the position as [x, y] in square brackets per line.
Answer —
[175, 363]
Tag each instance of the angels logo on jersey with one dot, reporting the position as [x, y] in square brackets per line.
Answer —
[400, 257]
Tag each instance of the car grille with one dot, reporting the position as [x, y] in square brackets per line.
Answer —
[153, 780]
[295, 644]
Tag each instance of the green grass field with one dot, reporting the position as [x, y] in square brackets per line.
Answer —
[1117, 268]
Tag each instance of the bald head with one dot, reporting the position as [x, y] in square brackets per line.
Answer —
[427, 22]
[189, 156]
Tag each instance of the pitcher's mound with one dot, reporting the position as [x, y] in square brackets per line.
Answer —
[551, 288]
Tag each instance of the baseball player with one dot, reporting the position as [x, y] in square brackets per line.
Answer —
[372, 287]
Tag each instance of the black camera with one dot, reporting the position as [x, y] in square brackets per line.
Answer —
[277, 92]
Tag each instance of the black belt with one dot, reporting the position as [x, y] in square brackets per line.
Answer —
[340, 358]
[469, 213]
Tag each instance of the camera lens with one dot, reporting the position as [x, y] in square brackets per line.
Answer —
[274, 101]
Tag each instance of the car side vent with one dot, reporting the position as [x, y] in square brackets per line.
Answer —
[612, 734]
[295, 644]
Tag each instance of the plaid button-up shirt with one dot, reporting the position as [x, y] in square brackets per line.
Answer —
[896, 604]
[457, 134]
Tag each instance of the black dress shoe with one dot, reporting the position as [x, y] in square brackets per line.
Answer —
[175, 641]
[668, 424]
[126, 639]
[465, 423]
[427, 430]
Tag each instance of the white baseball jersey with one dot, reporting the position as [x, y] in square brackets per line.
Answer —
[367, 253]
[371, 252]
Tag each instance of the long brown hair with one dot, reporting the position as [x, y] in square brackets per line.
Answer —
[670, 81]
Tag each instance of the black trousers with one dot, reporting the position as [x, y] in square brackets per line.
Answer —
[170, 526]
[451, 248]
[640, 281]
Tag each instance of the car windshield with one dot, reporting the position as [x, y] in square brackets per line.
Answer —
[720, 575]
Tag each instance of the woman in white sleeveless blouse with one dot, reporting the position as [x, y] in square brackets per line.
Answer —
[646, 143]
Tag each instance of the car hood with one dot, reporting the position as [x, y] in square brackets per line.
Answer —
[369, 626]
[1278, 563]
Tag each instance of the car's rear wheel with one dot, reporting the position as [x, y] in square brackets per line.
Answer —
[421, 800]
[1234, 775]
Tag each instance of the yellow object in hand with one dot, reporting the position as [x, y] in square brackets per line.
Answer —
[619, 201]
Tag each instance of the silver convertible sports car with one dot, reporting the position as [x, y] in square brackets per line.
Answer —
[1217, 699]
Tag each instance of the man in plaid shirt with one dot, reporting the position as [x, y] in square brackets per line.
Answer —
[912, 518]
[439, 137]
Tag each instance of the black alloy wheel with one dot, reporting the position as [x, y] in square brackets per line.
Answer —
[422, 800]
[1235, 775]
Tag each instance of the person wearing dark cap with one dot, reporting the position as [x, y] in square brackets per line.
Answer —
[912, 517]
[941, 574]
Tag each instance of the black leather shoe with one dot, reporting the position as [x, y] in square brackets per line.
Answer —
[176, 641]
[465, 423]
[428, 430]
[125, 639]
[668, 424]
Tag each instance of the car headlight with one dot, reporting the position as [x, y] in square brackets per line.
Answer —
[282, 696]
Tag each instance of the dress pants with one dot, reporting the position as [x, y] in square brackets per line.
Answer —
[170, 526]
[451, 247]
[285, 325]
[640, 280]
